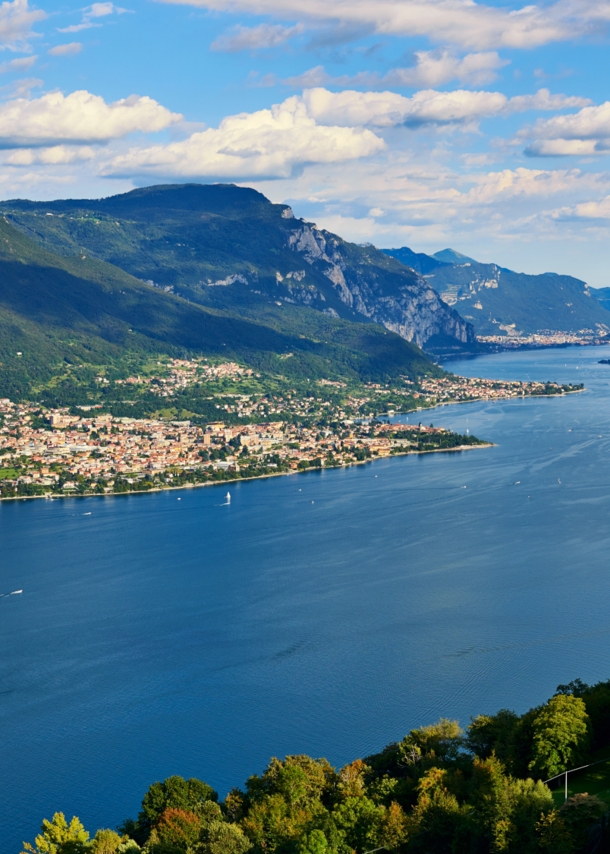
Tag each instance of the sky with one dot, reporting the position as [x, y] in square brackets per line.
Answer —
[423, 123]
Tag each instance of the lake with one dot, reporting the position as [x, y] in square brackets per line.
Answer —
[326, 613]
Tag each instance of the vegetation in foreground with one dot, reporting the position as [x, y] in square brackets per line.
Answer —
[438, 791]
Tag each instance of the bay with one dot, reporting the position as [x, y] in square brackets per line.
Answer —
[325, 613]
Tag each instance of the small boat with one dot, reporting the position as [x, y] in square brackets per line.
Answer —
[228, 497]
[15, 592]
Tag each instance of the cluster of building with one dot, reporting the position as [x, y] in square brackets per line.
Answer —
[513, 339]
[55, 452]
[182, 373]
[60, 452]
[459, 389]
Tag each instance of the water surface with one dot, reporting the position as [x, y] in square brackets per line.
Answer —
[325, 613]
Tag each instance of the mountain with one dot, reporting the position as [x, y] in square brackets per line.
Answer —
[602, 295]
[231, 249]
[498, 301]
[58, 310]
[450, 256]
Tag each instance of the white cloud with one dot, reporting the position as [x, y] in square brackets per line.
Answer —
[70, 49]
[473, 26]
[428, 107]
[432, 68]
[96, 10]
[16, 22]
[21, 64]
[255, 38]
[584, 133]
[57, 155]
[273, 143]
[584, 211]
[78, 118]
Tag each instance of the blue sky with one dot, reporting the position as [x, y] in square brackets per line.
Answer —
[426, 123]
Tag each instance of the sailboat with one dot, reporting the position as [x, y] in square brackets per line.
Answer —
[228, 497]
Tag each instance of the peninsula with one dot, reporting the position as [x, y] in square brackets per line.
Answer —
[240, 425]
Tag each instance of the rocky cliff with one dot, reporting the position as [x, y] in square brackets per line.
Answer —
[230, 248]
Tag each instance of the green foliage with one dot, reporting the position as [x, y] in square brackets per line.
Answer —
[561, 735]
[186, 796]
[440, 741]
[105, 841]
[220, 837]
[59, 837]
[73, 290]
[434, 792]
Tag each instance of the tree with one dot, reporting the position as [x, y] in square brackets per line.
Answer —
[175, 793]
[437, 816]
[313, 843]
[105, 842]
[439, 741]
[59, 837]
[360, 819]
[560, 735]
[221, 837]
[489, 734]
[580, 813]
[176, 831]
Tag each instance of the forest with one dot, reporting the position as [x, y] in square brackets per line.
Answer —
[440, 790]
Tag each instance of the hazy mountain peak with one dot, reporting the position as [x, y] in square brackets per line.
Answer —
[450, 256]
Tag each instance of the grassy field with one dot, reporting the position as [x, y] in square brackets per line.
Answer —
[593, 781]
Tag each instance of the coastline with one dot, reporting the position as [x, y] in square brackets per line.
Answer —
[59, 496]
[55, 496]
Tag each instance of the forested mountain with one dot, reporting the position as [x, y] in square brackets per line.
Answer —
[498, 301]
[229, 248]
[80, 310]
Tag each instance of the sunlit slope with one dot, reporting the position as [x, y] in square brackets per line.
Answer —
[229, 247]
[81, 309]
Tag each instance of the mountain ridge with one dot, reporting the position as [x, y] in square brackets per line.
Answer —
[57, 310]
[223, 246]
[500, 302]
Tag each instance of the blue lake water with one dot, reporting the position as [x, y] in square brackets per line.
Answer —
[324, 613]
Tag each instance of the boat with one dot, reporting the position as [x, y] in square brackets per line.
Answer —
[15, 592]
[228, 497]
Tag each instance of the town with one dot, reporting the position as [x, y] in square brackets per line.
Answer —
[59, 451]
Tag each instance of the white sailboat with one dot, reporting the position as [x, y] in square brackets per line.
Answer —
[228, 497]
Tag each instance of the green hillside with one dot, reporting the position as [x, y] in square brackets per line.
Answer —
[57, 310]
[231, 249]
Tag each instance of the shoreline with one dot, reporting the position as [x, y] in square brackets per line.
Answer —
[54, 496]
[59, 496]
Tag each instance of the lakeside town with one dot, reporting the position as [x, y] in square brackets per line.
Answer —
[59, 451]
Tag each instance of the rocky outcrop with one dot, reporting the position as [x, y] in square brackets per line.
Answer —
[387, 293]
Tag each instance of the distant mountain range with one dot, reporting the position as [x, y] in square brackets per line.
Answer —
[498, 301]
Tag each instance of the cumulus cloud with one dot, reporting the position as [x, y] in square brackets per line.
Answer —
[16, 22]
[275, 143]
[255, 38]
[432, 68]
[473, 26]
[54, 156]
[90, 14]
[66, 49]
[598, 210]
[427, 107]
[77, 118]
[584, 133]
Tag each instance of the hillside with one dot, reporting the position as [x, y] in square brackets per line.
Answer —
[57, 310]
[602, 295]
[229, 248]
[498, 301]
